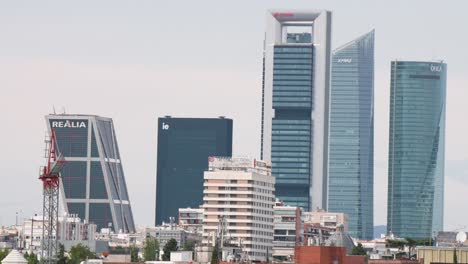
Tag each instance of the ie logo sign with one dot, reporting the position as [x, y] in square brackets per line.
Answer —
[165, 126]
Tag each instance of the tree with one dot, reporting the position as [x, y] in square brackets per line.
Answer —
[134, 254]
[189, 245]
[358, 250]
[455, 258]
[395, 243]
[151, 249]
[215, 254]
[4, 253]
[170, 246]
[61, 258]
[80, 253]
[32, 258]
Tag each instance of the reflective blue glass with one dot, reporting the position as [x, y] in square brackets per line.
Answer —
[416, 148]
[291, 126]
[351, 149]
[84, 140]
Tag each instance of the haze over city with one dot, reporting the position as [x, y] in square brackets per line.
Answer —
[137, 61]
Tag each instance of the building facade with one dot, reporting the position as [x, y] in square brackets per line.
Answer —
[168, 231]
[191, 219]
[92, 179]
[351, 146]
[326, 219]
[287, 228]
[69, 228]
[295, 104]
[184, 145]
[416, 149]
[239, 195]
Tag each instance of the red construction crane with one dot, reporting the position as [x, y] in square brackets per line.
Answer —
[50, 177]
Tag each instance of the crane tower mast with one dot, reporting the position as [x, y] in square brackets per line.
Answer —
[50, 177]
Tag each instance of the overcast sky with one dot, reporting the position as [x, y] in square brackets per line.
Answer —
[137, 60]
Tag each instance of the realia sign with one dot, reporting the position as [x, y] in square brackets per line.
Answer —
[69, 123]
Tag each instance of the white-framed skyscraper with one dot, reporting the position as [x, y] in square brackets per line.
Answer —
[92, 182]
[295, 104]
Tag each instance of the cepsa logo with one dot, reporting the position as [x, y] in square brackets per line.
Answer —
[283, 14]
[69, 124]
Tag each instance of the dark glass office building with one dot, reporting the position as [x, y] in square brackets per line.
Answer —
[184, 145]
[351, 145]
[416, 149]
[92, 180]
[295, 104]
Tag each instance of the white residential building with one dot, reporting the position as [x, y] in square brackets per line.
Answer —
[326, 219]
[191, 219]
[287, 231]
[240, 193]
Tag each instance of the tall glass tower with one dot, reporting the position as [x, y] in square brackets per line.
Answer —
[416, 148]
[295, 103]
[351, 150]
[92, 180]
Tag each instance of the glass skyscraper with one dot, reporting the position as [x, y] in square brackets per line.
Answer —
[184, 145]
[295, 103]
[416, 148]
[351, 160]
[92, 179]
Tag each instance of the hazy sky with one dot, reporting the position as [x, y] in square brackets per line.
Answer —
[137, 60]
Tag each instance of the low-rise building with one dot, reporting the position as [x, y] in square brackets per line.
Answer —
[326, 219]
[325, 254]
[429, 255]
[449, 239]
[191, 219]
[69, 228]
[287, 227]
[166, 232]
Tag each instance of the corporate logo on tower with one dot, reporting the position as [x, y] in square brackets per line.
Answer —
[69, 123]
[436, 68]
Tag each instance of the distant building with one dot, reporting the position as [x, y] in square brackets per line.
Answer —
[70, 228]
[287, 226]
[328, 254]
[239, 199]
[295, 104]
[184, 145]
[166, 232]
[449, 239]
[191, 219]
[326, 219]
[429, 255]
[92, 181]
[416, 149]
[351, 147]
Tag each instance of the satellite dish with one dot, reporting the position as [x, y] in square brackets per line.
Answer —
[461, 237]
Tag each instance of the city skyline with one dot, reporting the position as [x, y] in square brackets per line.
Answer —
[127, 68]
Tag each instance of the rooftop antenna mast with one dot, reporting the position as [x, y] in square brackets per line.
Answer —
[50, 177]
